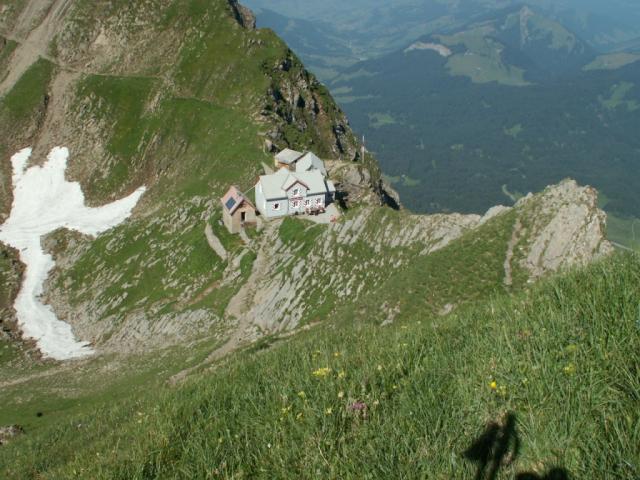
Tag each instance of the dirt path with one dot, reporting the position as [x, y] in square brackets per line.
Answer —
[239, 309]
[244, 237]
[508, 271]
[51, 131]
[214, 243]
[36, 43]
[60, 367]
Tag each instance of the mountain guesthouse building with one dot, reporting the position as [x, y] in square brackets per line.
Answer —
[299, 161]
[291, 193]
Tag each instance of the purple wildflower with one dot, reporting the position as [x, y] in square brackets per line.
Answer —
[358, 406]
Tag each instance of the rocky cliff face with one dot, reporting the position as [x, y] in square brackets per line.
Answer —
[569, 228]
[300, 105]
[243, 15]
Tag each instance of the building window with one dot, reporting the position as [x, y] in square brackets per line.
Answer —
[307, 202]
[276, 206]
[318, 201]
[296, 192]
[296, 204]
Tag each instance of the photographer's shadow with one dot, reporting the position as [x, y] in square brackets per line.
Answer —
[498, 447]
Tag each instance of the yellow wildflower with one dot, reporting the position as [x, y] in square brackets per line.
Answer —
[493, 385]
[340, 394]
[570, 369]
[301, 394]
[337, 354]
[322, 372]
[328, 411]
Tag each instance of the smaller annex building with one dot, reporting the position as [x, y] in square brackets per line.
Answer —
[299, 161]
[237, 210]
[292, 193]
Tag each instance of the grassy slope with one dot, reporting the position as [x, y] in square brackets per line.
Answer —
[195, 135]
[6, 49]
[467, 270]
[196, 140]
[563, 356]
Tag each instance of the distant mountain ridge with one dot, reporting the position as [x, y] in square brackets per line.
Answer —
[522, 42]
[374, 28]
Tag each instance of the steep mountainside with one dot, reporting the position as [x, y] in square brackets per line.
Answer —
[184, 98]
[547, 378]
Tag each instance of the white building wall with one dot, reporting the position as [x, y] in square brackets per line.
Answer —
[261, 203]
[296, 196]
[317, 200]
[268, 210]
[273, 212]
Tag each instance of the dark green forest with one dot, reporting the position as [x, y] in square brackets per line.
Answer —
[466, 143]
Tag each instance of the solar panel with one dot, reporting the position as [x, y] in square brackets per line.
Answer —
[230, 203]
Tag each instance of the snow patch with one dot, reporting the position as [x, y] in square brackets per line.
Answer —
[43, 201]
[440, 49]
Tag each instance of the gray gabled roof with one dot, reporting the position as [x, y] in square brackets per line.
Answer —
[288, 156]
[275, 186]
[272, 184]
[313, 180]
[309, 161]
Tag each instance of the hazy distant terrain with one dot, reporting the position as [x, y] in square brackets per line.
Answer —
[374, 27]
